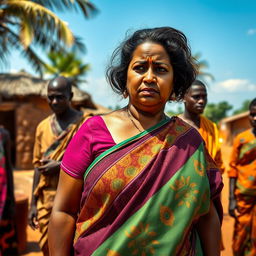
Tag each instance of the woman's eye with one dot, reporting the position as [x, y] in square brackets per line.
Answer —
[161, 69]
[139, 68]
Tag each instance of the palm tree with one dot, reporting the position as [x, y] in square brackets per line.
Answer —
[202, 64]
[66, 64]
[28, 24]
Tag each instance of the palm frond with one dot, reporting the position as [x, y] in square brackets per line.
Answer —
[200, 65]
[88, 9]
[35, 16]
[10, 39]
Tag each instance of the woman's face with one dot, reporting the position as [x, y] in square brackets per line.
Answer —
[149, 77]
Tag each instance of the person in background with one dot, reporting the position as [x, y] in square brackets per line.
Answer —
[52, 137]
[195, 102]
[134, 181]
[242, 188]
[8, 236]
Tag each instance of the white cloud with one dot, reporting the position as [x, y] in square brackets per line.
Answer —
[234, 85]
[13, 70]
[251, 31]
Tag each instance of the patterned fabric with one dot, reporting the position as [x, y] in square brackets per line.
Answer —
[3, 177]
[46, 189]
[243, 168]
[8, 238]
[210, 134]
[244, 237]
[145, 195]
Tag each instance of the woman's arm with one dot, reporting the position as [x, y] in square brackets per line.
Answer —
[64, 214]
[209, 230]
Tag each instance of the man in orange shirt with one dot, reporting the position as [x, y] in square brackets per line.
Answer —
[242, 189]
[51, 139]
[195, 102]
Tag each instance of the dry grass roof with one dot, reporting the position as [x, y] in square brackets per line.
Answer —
[20, 84]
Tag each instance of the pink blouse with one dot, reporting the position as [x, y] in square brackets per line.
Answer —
[92, 139]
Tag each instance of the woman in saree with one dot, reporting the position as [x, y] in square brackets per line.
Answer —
[134, 181]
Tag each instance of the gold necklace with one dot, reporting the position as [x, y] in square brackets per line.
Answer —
[131, 118]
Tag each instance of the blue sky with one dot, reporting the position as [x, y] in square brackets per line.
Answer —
[223, 31]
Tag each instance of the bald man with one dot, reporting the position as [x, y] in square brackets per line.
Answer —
[51, 139]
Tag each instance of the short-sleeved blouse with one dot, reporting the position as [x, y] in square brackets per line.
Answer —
[92, 139]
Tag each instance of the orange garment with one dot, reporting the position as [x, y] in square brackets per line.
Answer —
[50, 143]
[43, 139]
[210, 134]
[243, 168]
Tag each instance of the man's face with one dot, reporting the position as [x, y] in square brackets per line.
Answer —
[58, 99]
[196, 99]
[252, 116]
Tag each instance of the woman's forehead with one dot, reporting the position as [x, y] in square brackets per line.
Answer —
[150, 51]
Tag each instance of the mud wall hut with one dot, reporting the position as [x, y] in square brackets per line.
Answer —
[231, 126]
[23, 105]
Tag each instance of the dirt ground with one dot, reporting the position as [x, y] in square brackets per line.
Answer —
[23, 185]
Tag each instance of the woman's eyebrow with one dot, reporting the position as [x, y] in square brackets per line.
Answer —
[154, 62]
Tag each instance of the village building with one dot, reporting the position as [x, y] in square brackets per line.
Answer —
[231, 126]
[23, 105]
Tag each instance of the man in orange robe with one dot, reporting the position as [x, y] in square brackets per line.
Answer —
[195, 102]
[242, 189]
[52, 137]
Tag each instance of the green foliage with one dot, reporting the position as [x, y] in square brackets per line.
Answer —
[26, 25]
[244, 107]
[66, 64]
[175, 113]
[216, 112]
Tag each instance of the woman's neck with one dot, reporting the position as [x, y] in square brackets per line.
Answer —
[146, 119]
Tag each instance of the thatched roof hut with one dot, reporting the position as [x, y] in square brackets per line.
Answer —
[22, 84]
[23, 105]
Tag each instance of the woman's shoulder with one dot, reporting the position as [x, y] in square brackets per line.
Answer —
[93, 122]
[93, 126]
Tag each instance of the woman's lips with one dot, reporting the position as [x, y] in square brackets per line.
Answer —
[148, 91]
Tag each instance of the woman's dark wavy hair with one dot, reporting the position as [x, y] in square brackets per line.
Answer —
[175, 44]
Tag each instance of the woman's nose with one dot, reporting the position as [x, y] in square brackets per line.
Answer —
[150, 76]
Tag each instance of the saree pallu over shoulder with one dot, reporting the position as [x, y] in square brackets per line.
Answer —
[144, 196]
